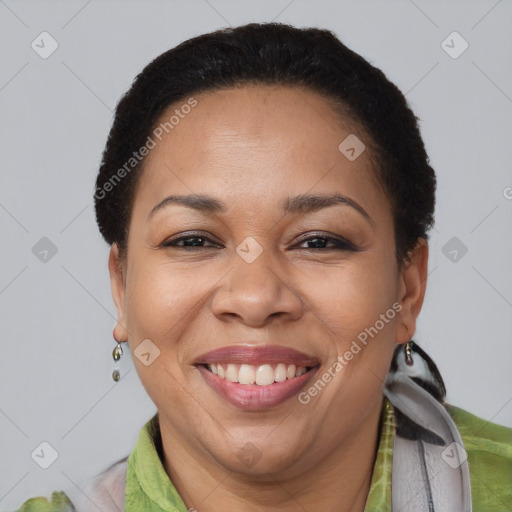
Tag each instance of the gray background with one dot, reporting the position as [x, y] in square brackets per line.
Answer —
[57, 315]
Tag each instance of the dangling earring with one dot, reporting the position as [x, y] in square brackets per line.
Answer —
[116, 355]
[408, 353]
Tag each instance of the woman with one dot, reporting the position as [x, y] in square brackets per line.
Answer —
[267, 198]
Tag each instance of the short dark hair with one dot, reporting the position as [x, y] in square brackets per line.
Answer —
[278, 54]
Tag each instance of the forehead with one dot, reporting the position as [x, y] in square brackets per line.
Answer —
[257, 143]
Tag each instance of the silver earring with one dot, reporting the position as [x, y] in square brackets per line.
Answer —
[116, 355]
[408, 353]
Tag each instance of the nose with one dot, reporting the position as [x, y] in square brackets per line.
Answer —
[255, 293]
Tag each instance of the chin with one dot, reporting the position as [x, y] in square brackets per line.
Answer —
[260, 466]
[260, 457]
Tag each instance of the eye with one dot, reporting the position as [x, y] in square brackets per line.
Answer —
[321, 240]
[190, 241]
[198, 240]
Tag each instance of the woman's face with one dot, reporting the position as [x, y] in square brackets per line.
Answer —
[261, 266]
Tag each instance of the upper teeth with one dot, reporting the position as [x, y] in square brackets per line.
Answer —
[262, 375]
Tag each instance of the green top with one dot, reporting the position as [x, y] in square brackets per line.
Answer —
[488, 445]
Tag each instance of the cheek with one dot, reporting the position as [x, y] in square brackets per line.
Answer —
[161, 303]
[353, 297]
[356, 311]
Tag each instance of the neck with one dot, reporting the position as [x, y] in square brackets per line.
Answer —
[343, 476]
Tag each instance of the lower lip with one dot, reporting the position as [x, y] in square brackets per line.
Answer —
[253, 397]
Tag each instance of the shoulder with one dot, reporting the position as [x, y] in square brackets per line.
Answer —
[105, 491]
[489, 453]
[482, 436]
[59, 502]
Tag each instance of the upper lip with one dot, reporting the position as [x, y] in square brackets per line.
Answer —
[257, 355]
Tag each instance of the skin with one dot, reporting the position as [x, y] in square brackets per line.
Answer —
[251, 147]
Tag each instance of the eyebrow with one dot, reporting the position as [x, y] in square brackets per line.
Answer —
[304, 203]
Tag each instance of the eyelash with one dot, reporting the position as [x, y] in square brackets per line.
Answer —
[340, 243]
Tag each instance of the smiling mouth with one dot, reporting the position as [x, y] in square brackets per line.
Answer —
[256, 377]
[261, 375]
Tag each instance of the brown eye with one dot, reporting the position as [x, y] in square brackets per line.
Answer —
[191, 240]
[321, 242]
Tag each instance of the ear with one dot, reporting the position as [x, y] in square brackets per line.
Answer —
[117, 284]
[413, 283]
